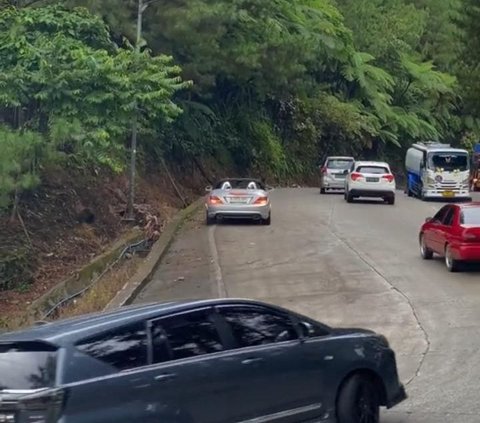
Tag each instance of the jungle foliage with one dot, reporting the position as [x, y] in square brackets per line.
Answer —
[276, 84]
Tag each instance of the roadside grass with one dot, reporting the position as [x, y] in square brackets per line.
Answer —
[100, 295]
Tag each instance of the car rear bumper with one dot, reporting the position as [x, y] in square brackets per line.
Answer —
[466, 252]
[333, 183]
[372, 193]
[239, 211]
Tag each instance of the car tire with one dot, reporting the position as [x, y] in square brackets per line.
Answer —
[268, 220]
[322, 191]
[358, 401]
[425, 252]
[391, 200]
[451, 264]
[349, 198]
[210, 220]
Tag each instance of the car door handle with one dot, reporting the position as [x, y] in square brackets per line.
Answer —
[165, 376]
[255, 360]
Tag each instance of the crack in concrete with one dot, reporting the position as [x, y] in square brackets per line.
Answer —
[332, 229]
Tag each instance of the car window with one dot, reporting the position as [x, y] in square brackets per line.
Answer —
[258, 326]
[184, 335]
[377, 170]
[448, 216]
[123, 349]
[340, 164]
[440, 214]
[470, 216]
[29, 365]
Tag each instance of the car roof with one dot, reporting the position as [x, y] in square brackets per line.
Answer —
[69, 331]
[371, 163]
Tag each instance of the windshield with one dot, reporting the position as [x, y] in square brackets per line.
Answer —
[448, 162]
[240, 184]
[340, 164]
[470, 216]
[27, 366]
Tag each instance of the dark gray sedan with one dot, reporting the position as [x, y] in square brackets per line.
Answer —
[220, 361]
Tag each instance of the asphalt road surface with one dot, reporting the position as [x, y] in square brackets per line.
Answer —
[348, 265]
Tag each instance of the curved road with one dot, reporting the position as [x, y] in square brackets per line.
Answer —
[348, 265]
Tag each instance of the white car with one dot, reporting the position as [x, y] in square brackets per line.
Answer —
[370, 179]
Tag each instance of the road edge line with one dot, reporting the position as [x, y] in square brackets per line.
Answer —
[143, 276]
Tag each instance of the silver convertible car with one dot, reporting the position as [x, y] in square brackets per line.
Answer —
[238, 198]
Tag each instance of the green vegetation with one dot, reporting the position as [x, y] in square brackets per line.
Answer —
[277, 84]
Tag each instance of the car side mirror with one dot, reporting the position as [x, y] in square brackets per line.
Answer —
[208, 188]
[306, 329]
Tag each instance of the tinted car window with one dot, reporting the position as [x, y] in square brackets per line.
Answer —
[448, 217]
[340, 164]
[470, 216]
[185, 335]
[27, 366]
[440, 214]
[124, 348]
[380, 170]
[258, 326]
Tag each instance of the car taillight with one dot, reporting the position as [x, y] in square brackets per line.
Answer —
[323, 169]
[469, 236]
[213, 199]
[389, 177]
[355, 176]
[261, 201]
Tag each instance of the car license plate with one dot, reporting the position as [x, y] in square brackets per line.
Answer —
[339, 176]
[448, 194]
[238, 200]
[370, 179]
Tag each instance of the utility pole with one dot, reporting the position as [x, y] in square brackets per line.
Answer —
[133, 145]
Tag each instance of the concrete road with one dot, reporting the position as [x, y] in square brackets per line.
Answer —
[348, 265]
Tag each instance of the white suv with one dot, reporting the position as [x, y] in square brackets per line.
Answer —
[370, 179]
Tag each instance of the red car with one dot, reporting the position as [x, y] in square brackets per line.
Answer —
[454, 233]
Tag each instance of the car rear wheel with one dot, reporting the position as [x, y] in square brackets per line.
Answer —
[391, 200]
[451, 264]
[425, 252]
[268, 220]
[349, 197]
[210, 220]
[358, 401]
[322, 191]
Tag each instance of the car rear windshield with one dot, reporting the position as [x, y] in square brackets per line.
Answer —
[470, 216]
[380, 170]
[27, 366]
[341, 164]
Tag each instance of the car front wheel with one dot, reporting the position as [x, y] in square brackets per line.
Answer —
[358, 401]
